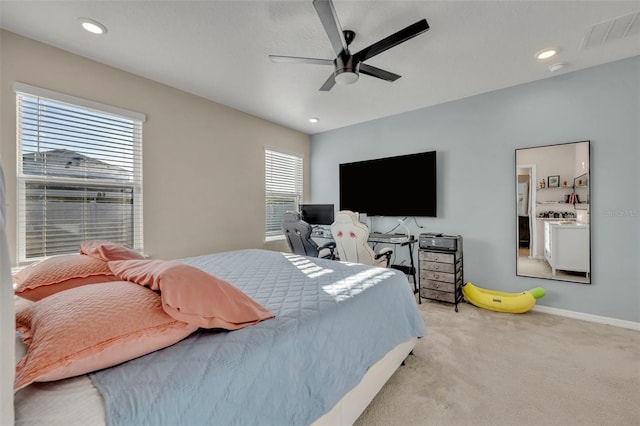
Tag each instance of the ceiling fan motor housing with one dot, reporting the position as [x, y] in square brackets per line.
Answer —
[347, 70]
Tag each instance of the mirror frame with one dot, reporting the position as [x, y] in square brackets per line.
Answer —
[572, 189]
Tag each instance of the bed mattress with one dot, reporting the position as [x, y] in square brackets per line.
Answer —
[333, 321]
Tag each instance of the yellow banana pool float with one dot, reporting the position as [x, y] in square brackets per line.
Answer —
[515, 303]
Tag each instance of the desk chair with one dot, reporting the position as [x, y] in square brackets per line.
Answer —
[351, 240]
[298, 233]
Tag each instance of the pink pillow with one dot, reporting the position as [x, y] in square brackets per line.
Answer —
[191, 295]
[108, 251]
[52, 275]
[92, 327]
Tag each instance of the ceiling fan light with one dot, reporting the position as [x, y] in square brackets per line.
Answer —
[346, 77]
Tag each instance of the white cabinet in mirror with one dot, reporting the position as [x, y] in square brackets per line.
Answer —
[553, 231]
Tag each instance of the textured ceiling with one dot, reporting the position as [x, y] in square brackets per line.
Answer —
[219, 49]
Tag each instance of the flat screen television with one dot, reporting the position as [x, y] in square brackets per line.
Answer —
[317, 214]
[394, 186]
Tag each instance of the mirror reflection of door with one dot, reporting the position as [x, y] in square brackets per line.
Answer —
[523, 195]
[524, 212]
[552, 212]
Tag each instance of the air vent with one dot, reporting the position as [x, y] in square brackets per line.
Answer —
[614, 29]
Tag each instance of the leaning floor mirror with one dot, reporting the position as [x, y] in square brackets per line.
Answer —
[553, 230]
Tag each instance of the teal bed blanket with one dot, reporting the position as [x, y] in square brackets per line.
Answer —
[333, 321]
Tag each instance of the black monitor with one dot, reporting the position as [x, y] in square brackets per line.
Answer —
[317, 214]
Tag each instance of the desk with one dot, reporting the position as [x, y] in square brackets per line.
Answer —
[402, 241]
[393, 239]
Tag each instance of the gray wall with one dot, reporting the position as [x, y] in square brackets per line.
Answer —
[476, 140]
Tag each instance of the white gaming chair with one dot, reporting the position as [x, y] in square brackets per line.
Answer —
[351, 241]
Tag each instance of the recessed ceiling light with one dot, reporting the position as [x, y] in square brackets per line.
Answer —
[547, 53]
[314, 120]
[92, 26]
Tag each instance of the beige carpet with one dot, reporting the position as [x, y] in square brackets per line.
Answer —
[478, 367]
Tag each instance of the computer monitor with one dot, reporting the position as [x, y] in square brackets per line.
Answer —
[317, 214]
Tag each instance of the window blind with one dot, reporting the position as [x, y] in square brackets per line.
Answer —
[79, 174]
[283, 189]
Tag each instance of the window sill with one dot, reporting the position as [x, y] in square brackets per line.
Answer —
[274, 238]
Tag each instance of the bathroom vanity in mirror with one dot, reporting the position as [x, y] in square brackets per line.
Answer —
[566, 246]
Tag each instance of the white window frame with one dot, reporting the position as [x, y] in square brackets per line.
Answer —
[135, 181]
[284, 184]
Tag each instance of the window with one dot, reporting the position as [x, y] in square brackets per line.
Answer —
[79, 173]
[283, 189]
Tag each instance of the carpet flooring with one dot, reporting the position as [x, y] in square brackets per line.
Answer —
[478, 367]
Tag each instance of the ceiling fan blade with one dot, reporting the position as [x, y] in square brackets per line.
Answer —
[391, 41]
[331, 81]
[299, 60]
[329, 19]
[377, 72]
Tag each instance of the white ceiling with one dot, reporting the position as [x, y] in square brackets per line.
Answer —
[219, 49]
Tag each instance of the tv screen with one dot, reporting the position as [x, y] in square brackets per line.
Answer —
[317, 214]
[394, 186]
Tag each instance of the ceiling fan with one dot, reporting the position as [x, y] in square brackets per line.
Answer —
[347, 67]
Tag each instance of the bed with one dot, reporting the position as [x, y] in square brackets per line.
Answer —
[340, 331]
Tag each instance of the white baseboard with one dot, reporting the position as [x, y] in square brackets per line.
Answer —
[589, 317]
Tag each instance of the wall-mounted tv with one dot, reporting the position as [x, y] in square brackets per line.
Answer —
[394, 186]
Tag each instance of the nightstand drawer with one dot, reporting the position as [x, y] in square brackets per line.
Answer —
[438, 295]
[438, 276]
[437, 285]
[437, 266]
[439, 257]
